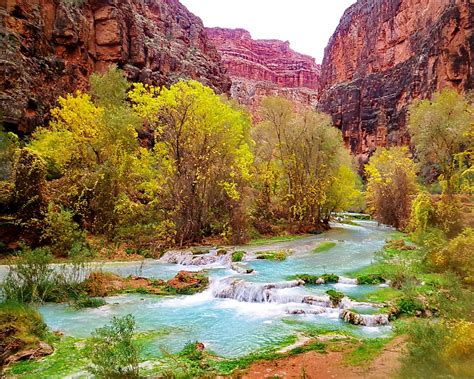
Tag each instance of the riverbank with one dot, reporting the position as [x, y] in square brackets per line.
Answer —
[332, 364]
[245, 315]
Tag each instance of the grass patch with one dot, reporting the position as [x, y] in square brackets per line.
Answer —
[69, 357]
[237, 256]
[313, 346]
[324, 246]
[88, 302]
[279, 255]
[380, 295]
[367, 351]
[276, 239]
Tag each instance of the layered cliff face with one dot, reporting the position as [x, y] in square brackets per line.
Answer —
[51, 47]
[385, 54]
[260, 68]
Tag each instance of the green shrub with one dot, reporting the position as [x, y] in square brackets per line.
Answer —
[439, 350]
[142, 252]
[408, 306]
[335, 297]
[191, 351]
[113, 351]
[31, 279]
[457, 256]
[88, 302]
[237, 256]
[63, 233]
[370, 279]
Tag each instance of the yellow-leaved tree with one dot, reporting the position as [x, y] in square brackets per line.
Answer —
[206, 142]
[301, 167]
[391, 176]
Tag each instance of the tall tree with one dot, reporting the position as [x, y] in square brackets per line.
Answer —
[440, 133]
[391, 176]
[299, 157]
[207, 144]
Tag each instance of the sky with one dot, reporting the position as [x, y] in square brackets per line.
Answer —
[307, 24]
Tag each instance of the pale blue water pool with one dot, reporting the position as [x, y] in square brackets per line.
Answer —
[230, 327]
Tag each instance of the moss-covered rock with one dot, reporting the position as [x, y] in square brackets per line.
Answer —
[22, 332]
[100, 284]
[238, 256]
[317, 279]
[279, 255]
[335, 297]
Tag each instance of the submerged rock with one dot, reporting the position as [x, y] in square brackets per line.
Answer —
[241, 269]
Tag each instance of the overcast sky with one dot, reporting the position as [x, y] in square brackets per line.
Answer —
[307, 24]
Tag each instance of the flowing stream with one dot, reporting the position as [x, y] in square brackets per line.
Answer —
[240, 313]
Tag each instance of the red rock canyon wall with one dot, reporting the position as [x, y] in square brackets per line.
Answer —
[260, 68]
[386, 53]
[49, 48]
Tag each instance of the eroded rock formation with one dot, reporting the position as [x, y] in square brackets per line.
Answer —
[51, 47]
[260, 68]
[386, 53]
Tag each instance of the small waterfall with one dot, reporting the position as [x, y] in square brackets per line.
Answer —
[343, 280]
[314, 310]
[241, 269]
[320, 301]
[364, 320]
[240, 290]
[187, 258]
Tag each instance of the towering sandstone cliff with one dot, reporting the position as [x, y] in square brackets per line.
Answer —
[260, 68]
[51, 47]
[385, 54]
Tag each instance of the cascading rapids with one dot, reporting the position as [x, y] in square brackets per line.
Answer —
[242, 291]
[187, 258]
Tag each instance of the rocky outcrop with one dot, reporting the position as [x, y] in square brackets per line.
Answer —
[51, 47]
[260, 68]
[386, 53]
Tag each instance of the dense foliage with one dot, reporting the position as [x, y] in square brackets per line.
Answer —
[441, 130]
[391, 179]
[303, 172]
[156, 167]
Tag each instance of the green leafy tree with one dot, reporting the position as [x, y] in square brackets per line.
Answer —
[300, 161]
[29, 179]
[391, 176]
[440, 130]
